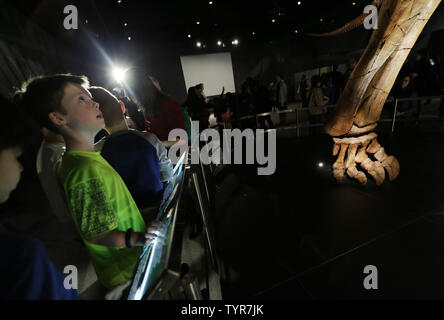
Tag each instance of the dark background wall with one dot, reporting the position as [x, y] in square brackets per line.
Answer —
[27, 50]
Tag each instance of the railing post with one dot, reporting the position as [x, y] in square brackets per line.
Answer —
[394, 115]
[297, 122]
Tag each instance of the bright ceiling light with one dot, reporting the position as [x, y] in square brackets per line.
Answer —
[119, 74]
[198, 44]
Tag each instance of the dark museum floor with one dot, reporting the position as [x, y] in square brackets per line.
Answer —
[316, 244]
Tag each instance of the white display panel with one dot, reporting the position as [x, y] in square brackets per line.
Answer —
[213, 70]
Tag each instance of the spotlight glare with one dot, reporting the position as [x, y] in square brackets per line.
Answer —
[119, 74]
[219, 43]
[198, 44]
[320, 164]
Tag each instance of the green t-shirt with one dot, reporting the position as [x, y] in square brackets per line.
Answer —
[99, 202]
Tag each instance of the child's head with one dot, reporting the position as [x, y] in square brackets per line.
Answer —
[135, 114]
[61, 103]
[12, 137]
[112, 109]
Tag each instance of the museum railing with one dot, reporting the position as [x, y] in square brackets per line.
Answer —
[160, 270]
[155, 274]
[397, 101]
[301, 113]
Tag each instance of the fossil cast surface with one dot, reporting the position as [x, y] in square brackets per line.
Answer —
[400, 22]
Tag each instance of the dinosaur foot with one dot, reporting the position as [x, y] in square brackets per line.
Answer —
[366, 152]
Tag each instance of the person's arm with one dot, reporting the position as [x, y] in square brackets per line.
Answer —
[169, 144]
[165, 165]
[117, 238]
[95, 216]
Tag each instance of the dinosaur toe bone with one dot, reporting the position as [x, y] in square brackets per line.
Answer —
[356, 150]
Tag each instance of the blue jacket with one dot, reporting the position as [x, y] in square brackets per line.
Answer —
[26, 273]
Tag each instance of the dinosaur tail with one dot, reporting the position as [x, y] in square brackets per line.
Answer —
[347, 27]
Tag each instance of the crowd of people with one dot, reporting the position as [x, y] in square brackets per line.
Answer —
[103, 188]
[421, 76]
[255, 97]
[103, 166]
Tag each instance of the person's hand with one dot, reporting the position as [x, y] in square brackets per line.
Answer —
[151, 233]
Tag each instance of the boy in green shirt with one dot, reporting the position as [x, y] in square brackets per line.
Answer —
[103, 210]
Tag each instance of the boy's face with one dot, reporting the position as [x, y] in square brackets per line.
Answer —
[10, 171]
[82, 113]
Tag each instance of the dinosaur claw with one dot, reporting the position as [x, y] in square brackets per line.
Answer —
[357, 148]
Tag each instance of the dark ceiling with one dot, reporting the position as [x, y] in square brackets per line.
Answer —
[168, 23]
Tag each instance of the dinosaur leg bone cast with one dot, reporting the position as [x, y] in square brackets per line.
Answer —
[400, 22]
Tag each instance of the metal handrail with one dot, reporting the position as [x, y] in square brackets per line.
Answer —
[297, 110]
[409, 99]
[420, 98]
